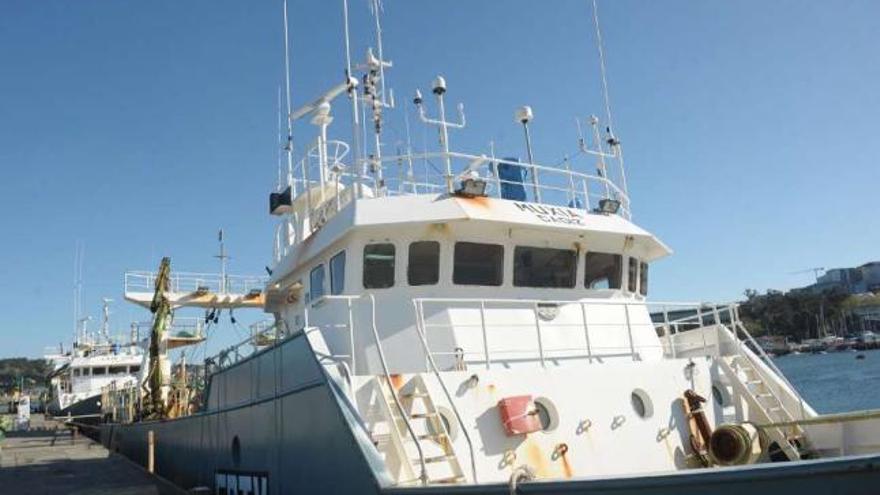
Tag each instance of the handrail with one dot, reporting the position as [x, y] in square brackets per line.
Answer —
[759, 351]
[533, 306]
[613, 302]
[420, 317]
[564, 186]
[423, 477]
[191, 281]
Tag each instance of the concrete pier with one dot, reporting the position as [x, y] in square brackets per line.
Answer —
[50, 459]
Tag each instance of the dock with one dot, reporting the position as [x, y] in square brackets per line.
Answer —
[53, 459]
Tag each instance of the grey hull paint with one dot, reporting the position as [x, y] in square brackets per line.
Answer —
[295, 427]
[296, 434]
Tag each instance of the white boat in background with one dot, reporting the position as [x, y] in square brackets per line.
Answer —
[95, 361]
[482, 329]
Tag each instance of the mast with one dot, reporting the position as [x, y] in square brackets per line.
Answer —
[355, 113]
[289, 146]
[613, 142]
[223, 257]
[105, 322]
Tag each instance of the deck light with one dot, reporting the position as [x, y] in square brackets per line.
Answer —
[472, 186]
[608, 206]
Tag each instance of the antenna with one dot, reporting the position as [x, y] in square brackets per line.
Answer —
[352, 95]
[78, 257]
[289, 145]
[105, 322]
[443, 125]
[613, 142]
[524, 115]
[602, 65]
[281, 146]
[410, 172]
[223, 260]
[376, 8]
[602, 168]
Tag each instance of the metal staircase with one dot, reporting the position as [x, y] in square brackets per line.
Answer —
[417, 442]
[764, 405]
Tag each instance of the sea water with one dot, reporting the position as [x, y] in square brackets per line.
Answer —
[835, 382]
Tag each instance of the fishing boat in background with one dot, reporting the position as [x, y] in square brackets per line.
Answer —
[94, 361]
[483, 328]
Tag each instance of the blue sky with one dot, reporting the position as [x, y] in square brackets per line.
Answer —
[140, 128]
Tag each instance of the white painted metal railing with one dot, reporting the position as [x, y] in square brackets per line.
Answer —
[261, 336]
[535, 307]
[184, 282]
[349, 300]
[326, 192]
[184, 326]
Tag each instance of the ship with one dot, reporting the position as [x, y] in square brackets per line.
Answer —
[484, 327]
[94, 361]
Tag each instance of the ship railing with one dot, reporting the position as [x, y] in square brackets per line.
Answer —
[737, 328]
[420, 173]
[181, 326]
[329, 192]
[263, 334]
[350, 302]
[744, 345]
[540, 315]
[188, 282]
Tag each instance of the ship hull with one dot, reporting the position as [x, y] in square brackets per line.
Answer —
[855, 475]
[86, 411]
[295, 432]
[289, 433]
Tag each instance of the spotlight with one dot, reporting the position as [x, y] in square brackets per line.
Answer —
[472, 187]
[608, 206]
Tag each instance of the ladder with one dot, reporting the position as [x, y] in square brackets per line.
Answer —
[393, 439]
[749, 382]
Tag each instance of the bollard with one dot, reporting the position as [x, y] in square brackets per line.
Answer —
[151, 444]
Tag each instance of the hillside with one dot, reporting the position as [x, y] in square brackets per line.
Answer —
[31, 371]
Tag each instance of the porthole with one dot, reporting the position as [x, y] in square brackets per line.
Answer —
[446, 416]
[547, 414]
[641, 403]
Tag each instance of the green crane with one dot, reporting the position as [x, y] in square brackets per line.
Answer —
[160, 307]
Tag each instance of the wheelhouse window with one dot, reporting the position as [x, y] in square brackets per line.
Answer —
[134, 369]
[478, 264]
[602, 270]
[643, 279]
[632, 275]
[99, 371]
[424, 263]
[117, 370]
[544, 267]
[378, 266]
[76, 372]
[337, 274]
[316, 283]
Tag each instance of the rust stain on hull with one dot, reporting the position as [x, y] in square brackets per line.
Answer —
[536, 459]
[479, 202]
[566, 466]
[396, 381]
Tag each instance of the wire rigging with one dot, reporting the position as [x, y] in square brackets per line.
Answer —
[599, 47]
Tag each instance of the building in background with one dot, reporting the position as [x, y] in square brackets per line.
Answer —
[858, 280]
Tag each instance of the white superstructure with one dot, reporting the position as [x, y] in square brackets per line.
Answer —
[95, 360]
